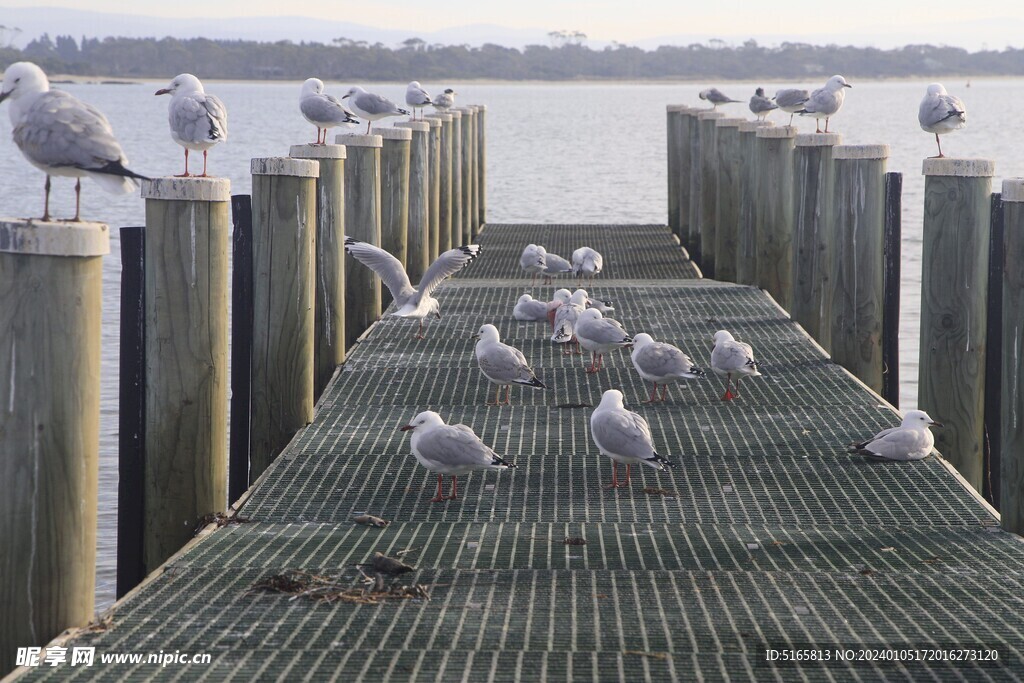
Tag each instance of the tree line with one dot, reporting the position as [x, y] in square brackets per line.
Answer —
[349, 60]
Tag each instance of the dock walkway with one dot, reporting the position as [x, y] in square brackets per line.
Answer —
[770, 537]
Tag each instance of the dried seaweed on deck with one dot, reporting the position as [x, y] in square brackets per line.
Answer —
[301, 584]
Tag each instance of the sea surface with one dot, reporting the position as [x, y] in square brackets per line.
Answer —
[556, 152]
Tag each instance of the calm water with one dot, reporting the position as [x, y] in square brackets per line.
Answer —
[556, 153]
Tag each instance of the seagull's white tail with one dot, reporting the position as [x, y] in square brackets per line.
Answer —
[115, 184]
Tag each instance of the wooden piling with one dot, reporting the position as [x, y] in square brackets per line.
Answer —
[730, 163]
[467, 174]
[692, 244]
[774, 212]
[457, 196]
[242, 331]
[481, 165]
[394, 196]
[855, 292]
[329, 316]
[746, 229]
[284, 230]
[51, 279]
[434, 187]
[954, 283]
[708, 189]
[1012, 395]
[418, 253]
[474, 215]
[812, 202]
[444, 181]
[891, 287]
[673, 142]
[686, 122]
[362, 222]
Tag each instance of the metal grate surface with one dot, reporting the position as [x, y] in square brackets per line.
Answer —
[767, 534]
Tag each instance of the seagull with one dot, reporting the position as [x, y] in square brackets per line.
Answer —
[554, 265]
[566, 317]
[412, 302]
[586, 261]
[715, 97]
[825, 102]
[532, 261]
[450, 449]
[662, 364]
[529, 309]
[730, 357]
[198, 121]
[561, 296]
[604, 306]
[323, 111]
[599, 335]
[416, 97]
[760, 105]
[791, 100]
[623, 436]
[502, 364]
[941, 113]
[912, 440]
[445, 100]
[371, 107]
[63, 136]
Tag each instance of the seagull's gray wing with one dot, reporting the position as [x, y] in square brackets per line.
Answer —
[603, 331]
[374, 104]
[730, 356]
[417, 97]
[663, 360]
[897, 443]
[388, 268]
[60, 130]
[446, 265]
[822, 101]
[623, 433]
[936, 109]
[324, 109]
[532, 310]
[791, 97]
[504, 363]
[455, 446]
[218, 114]
[555, 264]
[760, 104]
[194, 119]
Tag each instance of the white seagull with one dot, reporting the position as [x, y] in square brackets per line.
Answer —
[791, 100]
[941, 113]
[554, 265]
[715, 97]
[63, 136]
[912, 440]
[599, 335]
[323, 111]
[623, 436]
[372, 107]
[661, 363]
[445, 100]
[450, 449]
[825, 102]
[760, 105]
[732, 359]
[529, 309]
[560, 297]
[502, 364]
[586, 262]
[198, 121]
[566, 316]
[412, 302]
[532, 260]
[416, 97]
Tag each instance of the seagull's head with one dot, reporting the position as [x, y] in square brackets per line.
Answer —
[703, 94]
[449, 91]
[562, 296]
[23, 78]
[579, 297]
[487, 333]
[759, 92]
[919, 420]
[611, 399]
[414, 85]
[524, 298]
[182, 83]
[354, 90]
[427, 418]
[837, 83]
[723, 336]
[936, 89]
[641, 340]
[589, 314]
[434, 308]
[312, 86]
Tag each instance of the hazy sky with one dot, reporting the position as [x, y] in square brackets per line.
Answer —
[603, 19]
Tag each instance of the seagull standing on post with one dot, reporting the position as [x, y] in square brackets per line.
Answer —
[825, 102]
[715, 97]
[760, 105]
[791, 100]
[445, 100]
[323, 111]
[941, 113]
[417, 98]
[198, 121]
[372, 107]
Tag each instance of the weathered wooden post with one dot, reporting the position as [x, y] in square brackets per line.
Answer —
[186, 342]
[855, 291]
[481, 165]
[954, 283]
[283, 236]
[746, 228]
[51, 280]
[730, 163]
[418, 252]
[673, 141]
[446, 177]
[394, 196]
[434, 187]
[686, 121]
[362, 222]
[774, 212]
[812, 202]
[329, 316]
[1012, 395]
[474, 216]
[693, 214]
[467, 174]
[458, 206]
[708, 189]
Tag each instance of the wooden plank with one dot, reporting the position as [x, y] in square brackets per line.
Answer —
[746, 224]
[991, 488]
[774, 212]
[241, 345]
[1011, 496]
[458, 199]
[481, 163]
[362, 222]
[672, 158]
[434, 175]
[892, 285]
[418, 248]
[727, 197]
[708, 189]
[394, 196]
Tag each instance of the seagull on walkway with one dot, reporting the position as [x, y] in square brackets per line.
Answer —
[599, 335]
[715, 97]
[941, 113]
[450, 449]
[554, 265]
[560, 297]
[323, 111]
[533, 261]
[63, 136]
[604, 306]
[586, 262]
[791, 100]
[371, 107]
[732, 359]
[662, 364]
[760, 105]
[623, 436]
[412, 302]
[825, 102]
[198, 121]
[445, 100]
[502, 364]
[529, 309]
[912, 440]
[566, 317]
[417, 98]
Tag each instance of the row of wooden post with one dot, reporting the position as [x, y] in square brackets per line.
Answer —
[415, 189]
[816, 224]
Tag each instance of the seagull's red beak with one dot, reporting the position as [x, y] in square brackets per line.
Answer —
[407, 428]
[936, 424]
[162, 91]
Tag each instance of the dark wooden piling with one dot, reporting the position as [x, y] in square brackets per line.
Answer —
[730, 163]
[746, 224]
[708, 189]
[891, 286]
[434, 189]
[241, 345]
[395, 155]
[418, 242]
[1011, 497]
[774, 212]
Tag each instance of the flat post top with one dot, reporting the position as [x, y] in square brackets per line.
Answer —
[191, 189]
[359, 140]
[1013, 190]
[54, 238]
[393, 133]
[776, 133]
[678, 108]
[729, 123]
[308, 151]
[818, 139]
[439, 116]
[418, 126]
[860, 152]
[752, 126]
[964, 168]
[708, 114]
[286, 166]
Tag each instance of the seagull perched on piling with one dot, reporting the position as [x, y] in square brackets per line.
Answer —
[941, 113]
[623, 436]
[760, 105]
[198, 121]
[502, 364]
[715, 97]
[372, 107]
[732, 360]
[445, 100]
[825, 102]
[416, 97]
[323, 111]
[791, 100]
[912, 440]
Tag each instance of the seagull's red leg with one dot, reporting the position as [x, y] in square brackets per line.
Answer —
[593, 363]
[78, 199]
[204, 164]
[728, 388]
[508, 395]
[496, 394]
[185, 174]
[576, 344]
[654, 392]
[939, 144]
[419, 335]
[438, 498]
[627, 474]
[455, 488]
[615, 475]
[664, 391]
[46, 200]
[826, 124]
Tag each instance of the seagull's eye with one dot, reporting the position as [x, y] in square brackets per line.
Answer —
[17, 80]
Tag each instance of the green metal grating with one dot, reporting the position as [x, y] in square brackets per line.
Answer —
[771, 536]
